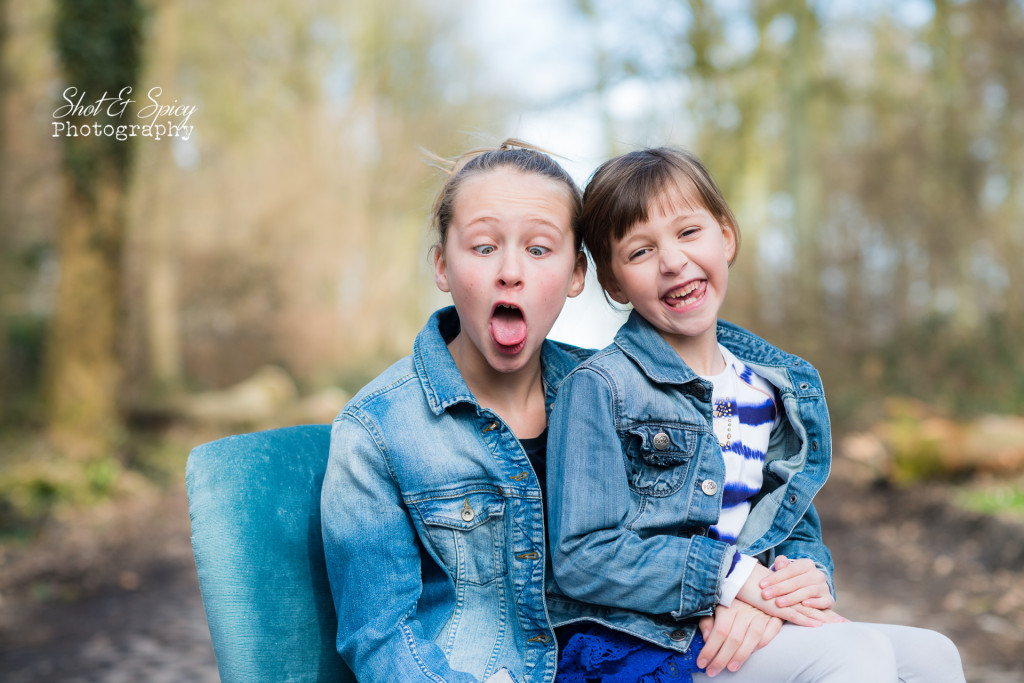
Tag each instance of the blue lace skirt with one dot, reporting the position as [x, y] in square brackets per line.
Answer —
[593, 653]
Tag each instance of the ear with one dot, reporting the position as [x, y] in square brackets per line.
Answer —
[729, 242]
[440, 269]
[579, 274]
[611, 286]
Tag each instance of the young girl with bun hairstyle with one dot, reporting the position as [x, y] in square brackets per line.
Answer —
[432, 505]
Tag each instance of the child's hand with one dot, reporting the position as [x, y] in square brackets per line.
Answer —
[732, 635]
[797, 582]
[799, 613]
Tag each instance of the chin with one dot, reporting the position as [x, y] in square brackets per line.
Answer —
[504, 362]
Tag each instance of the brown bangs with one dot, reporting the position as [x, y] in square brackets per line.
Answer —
[623, 191]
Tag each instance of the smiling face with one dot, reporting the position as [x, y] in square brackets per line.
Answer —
[509, 262]
[674, 269]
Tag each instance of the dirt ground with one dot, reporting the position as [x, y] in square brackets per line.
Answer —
[913, 557]
[116, 599]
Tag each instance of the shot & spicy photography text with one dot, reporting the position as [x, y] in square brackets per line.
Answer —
[112, 115]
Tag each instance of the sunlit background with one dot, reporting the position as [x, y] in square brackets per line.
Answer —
[872, 152]
[264, 268]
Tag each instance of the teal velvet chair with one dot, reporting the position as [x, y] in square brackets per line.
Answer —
[254, 501]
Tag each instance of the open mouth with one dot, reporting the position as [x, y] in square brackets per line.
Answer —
[687, 295]
[508, 328]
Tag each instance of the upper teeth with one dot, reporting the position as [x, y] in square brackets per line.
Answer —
[682, 291]
[509, 306]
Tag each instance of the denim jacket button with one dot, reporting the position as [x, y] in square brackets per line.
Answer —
[709, 487]
[661, 441]
[678, 634]
[467, 512]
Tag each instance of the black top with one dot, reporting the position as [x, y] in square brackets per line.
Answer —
[537, 451]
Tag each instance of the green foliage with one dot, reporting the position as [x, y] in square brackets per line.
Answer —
[874, 166]
[21, 365]
[156, 457]
[873, 162]
[38, 484]
[36, 490]
[965, 372]
[916, 454]
[1007, 500]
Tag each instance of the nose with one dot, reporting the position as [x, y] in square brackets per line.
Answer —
[510, 271]
[673, 259]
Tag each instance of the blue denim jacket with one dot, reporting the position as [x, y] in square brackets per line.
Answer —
[433, 526]
[629, 514]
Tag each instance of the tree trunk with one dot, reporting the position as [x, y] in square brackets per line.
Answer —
[99, 45]
[4, 218]
[83, 365]
[161, 283]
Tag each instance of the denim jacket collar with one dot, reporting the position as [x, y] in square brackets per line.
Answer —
[439, 375]
[442, 382]
[640, 341]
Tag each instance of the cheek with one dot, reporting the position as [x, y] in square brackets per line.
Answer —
[632, 280]
[553, 289]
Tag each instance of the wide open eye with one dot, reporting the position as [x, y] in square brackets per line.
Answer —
[484, 249]
[537, 250]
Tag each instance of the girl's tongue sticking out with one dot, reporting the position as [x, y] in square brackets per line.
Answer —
[508, 327]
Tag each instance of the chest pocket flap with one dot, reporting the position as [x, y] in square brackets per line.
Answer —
[468, 534]
[659, 457]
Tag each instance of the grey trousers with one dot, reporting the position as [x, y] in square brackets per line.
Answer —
[850, 653]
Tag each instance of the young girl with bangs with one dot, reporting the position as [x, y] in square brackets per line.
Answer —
[682, 462]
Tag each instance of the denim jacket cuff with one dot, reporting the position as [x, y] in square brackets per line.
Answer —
[707, 563]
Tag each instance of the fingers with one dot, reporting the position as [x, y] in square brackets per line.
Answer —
[731, 641]
[807, 584]
[832, 618]
[771, 630]
[714, 635]
[794, 582]
[734, 634]
[804, 595]
[788, 571]
[822, 602]
[800, 615]
[705, 625]
[750, 642]
[797, 614]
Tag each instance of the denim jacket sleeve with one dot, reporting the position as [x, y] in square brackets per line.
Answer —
[596, 556]
[373, 563]
[805, 542]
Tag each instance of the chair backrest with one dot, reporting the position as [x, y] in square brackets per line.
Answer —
[254, 501]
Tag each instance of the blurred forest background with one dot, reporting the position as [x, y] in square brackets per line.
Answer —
[873, 153]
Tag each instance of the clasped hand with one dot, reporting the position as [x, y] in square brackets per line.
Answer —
[796, 591]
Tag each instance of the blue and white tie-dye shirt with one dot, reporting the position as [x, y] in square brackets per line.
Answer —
[746, 412]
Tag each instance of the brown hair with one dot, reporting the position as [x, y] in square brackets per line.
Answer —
[623, 191]
[514, 154]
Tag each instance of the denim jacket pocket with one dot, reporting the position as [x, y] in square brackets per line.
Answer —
[659, 457]
[467, 533]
